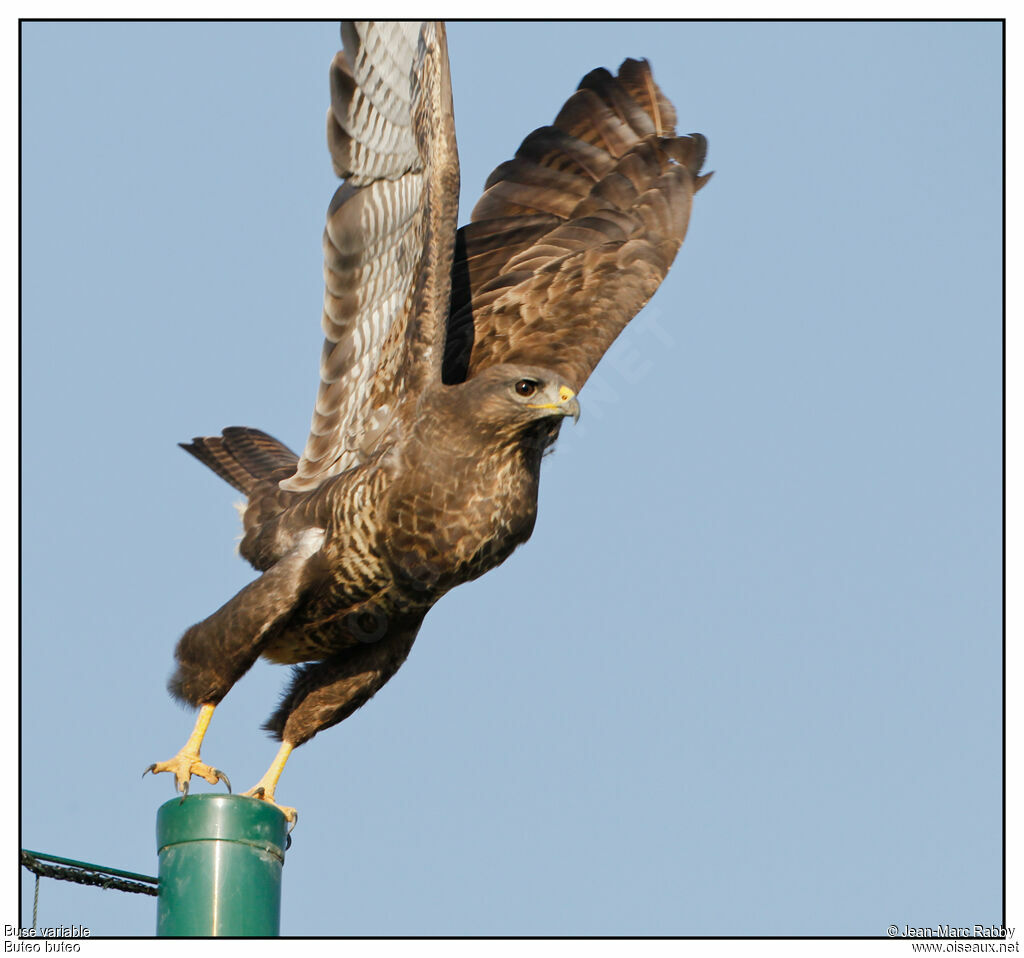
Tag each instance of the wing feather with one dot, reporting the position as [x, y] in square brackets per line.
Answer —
[388, 238]
[573, 236]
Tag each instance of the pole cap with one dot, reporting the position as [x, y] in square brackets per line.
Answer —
[229, 818]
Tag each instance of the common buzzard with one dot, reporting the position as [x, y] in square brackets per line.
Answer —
[451, 358]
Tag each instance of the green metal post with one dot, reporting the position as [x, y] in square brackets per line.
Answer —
[220, 866]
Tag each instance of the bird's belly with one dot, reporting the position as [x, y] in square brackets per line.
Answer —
[351, 602]
[301, 647]
[321, 628]
[371, 582]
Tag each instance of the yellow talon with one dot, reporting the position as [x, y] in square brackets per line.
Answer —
[187, 762]
[264, 789]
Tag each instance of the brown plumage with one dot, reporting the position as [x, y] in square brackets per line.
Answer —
[449, 361]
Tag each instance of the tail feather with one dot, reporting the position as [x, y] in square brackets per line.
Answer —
[243, 456]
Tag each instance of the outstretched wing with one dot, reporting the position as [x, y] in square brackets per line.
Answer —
[574, 235]
[388, 241]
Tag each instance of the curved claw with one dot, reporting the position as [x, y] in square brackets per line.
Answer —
[221, 777]
[183, 766]
[260, 793]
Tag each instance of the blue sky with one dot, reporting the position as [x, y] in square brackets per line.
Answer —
[744, 679]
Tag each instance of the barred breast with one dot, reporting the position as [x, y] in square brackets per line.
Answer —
[348, 602]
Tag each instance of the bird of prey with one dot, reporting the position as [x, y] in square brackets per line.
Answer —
[451, 358]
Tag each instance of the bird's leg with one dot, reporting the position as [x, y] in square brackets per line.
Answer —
[187, 763]
[324, 693]
[264, 789]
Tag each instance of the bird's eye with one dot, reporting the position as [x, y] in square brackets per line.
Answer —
[526, 387]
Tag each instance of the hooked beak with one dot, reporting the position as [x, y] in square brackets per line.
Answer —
[567, 405]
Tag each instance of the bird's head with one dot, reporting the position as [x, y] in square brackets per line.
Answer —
[513, 402]
[517, 395]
